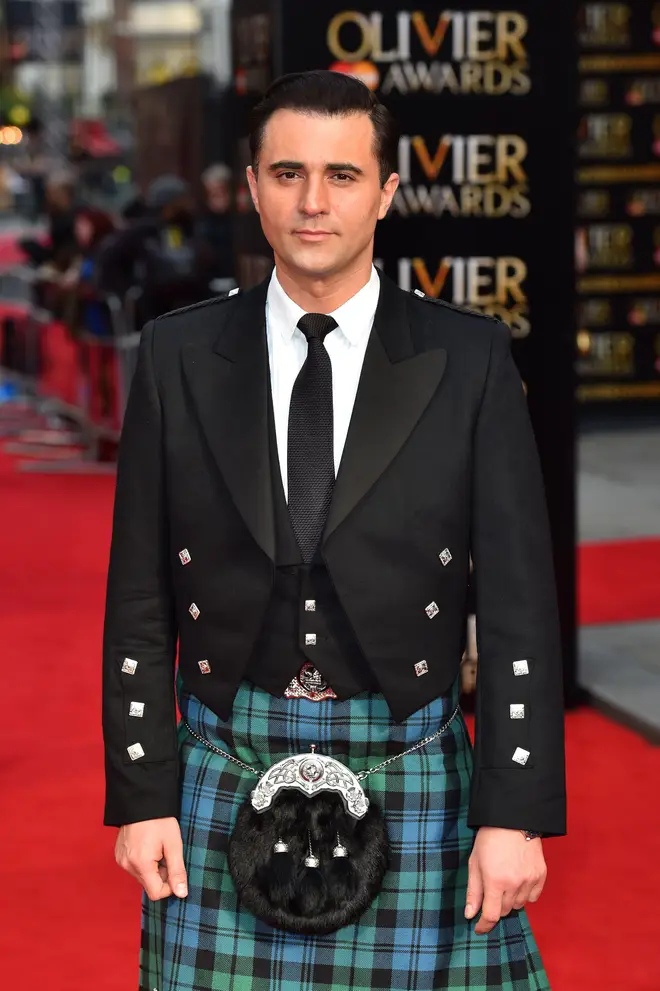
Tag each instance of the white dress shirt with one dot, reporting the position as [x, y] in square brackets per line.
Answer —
[287, 351]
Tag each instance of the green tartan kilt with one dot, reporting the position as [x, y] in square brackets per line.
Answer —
[413, 936]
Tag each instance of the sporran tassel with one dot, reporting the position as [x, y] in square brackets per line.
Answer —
[312, 889]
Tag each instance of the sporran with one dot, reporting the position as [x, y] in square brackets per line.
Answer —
[309, 851]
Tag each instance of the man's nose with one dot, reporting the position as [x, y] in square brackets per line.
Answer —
[314, 199]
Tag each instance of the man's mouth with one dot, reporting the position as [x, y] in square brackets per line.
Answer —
[310, 235]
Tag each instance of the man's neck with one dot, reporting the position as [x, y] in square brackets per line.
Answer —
[327, 294]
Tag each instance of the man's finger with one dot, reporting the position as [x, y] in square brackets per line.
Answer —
[176, 869]
[508, 899]
[152, 882]
[475, 892]
[521, 897]
[535, 892]
[491, 910]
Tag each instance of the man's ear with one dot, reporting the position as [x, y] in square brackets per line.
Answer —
[252, 183]
[387, 195]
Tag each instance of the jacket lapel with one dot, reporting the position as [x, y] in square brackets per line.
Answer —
[396, 386]
[230, 385]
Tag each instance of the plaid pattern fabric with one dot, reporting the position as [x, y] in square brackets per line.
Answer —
[413, 936]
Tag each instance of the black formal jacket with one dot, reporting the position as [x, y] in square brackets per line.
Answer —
[440, 457]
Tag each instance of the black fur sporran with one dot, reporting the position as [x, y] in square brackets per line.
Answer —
[285, 893]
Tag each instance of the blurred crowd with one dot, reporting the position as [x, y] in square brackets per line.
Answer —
[160, 247]
[167, 248]
[102, 266]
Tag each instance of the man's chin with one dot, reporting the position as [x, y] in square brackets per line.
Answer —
[315, 263]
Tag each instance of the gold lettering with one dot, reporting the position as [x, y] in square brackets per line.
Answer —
[431, 43]
[479, 281]
[511, 29]
[511, 273]
[511, 151]
[479, 29]
[472, 201]
[335, 26]
[520, 203]
[432, 287]
[497, 201]
[431, 166]
[472, 77]
[480, 154]
[521, 82]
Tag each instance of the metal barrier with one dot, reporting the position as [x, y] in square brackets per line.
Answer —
[56, 435]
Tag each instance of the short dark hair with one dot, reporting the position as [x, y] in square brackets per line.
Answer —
[328, 94]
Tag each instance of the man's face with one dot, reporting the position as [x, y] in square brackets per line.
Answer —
[318, 191]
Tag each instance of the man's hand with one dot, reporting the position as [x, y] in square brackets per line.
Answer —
[152, 851]
[506, 871]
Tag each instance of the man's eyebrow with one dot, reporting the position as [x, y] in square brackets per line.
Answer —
[330, 167]
[285, 165]
[344, 167]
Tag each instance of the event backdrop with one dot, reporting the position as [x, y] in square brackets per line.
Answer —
[484, 216]
[618, 232]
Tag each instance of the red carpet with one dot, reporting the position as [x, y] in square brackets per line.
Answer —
[71, 917]
[619, 582]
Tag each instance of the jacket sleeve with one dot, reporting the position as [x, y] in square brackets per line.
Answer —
[519, 774]
[139, 643]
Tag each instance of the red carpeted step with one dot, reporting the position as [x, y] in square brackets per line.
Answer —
[70, 917]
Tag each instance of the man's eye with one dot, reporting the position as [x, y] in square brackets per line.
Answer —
[343, 176]
[288, 175]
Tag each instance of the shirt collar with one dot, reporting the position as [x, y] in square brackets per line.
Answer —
[355, 317]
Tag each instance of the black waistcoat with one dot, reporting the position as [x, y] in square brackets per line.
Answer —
[282, 648]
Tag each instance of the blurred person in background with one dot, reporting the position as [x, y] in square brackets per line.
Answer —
[83, 309]
[134, 209]
[34, 164]
[214, 228]
[157, 252]
[54, 257]
[61, 248]
[306, 469]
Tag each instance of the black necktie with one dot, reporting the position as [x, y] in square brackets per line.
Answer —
[310, 456]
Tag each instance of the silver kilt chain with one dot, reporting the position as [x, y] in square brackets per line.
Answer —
[360, 774]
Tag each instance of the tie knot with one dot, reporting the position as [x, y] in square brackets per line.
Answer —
[317, 325]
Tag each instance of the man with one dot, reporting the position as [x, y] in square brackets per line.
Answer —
[306, 469]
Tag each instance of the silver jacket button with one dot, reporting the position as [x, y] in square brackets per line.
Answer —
[135, 751]
[521, 756]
